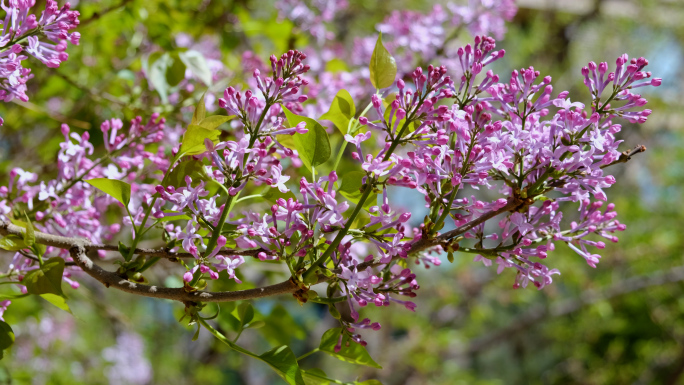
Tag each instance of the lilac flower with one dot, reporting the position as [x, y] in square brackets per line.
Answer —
[17, 29]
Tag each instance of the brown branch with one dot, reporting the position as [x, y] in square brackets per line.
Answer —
[97, 15]
[165, 252]
[423, 244]
[7, 228]
[627, 155]
[79, 247]
[110, 279]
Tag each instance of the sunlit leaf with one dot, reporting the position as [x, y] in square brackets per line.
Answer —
[354, 353]
[192, 168]
[58, 301]
[350, 188]
[200, 111]
[314, 146]
[284, 362]
[121, 191]
[315, 376]
[158, 64]
[193, 139]
[212, 122]
[47, 279]
[341, 111]
[197, 64]
[30, 234]
[383, 68]
[13, 243]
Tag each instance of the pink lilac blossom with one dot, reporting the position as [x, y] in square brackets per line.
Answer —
[447, 137]
[45, 38]
[68, 206]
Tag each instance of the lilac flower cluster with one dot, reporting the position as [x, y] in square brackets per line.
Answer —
[445, 135]
[68, 206]
[46, 39]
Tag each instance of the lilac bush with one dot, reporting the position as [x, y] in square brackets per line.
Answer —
[275, 190]
[45, 38]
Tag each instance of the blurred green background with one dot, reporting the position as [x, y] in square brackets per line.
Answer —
[621, 323]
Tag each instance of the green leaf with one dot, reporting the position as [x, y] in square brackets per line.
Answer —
[212, 122]
[315, 377]
[314, 146]
[173, 218]
[38, 249]
[197, 64]
[336, 65]
[200, 111]
[287, 141]
[13, 243]
[12, 297]
[255, 325]
[175, 73]
[245, 312]
[284, 362]
[121, 191]
[30, 234]
[273, 194]
[156, 74]
[350, 188]
[192, 168]
[280, 327]
[58, 301]
[411, 127]
[341, 111]
[354, 353]
[383, 68]
[47, 279]
[193, 140]
[368, 382]
[6, 336]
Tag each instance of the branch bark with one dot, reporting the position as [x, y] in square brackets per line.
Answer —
[79, 248]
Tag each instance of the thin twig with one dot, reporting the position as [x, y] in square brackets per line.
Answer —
[97, 15]
[627, 155]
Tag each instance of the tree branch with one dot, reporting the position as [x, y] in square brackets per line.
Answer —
[79, 248]
[110, 279]
[7, 228]
[627, 155]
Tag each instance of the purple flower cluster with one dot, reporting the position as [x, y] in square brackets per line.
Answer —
[45, 39]
[68, 206]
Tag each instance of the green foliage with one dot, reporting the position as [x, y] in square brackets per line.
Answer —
[354, 353]
[193, 140]
[341, 111]
[47, 279]
[197, 64]
[314, 146]
[281, 328]
[175, 73]
[213, 122]
[383, 67]
[30, 234]
[6, 337]
[190, 167]
[121, 191]
[351, 188]
[284, 362]
[57, 300]
[13, 243]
